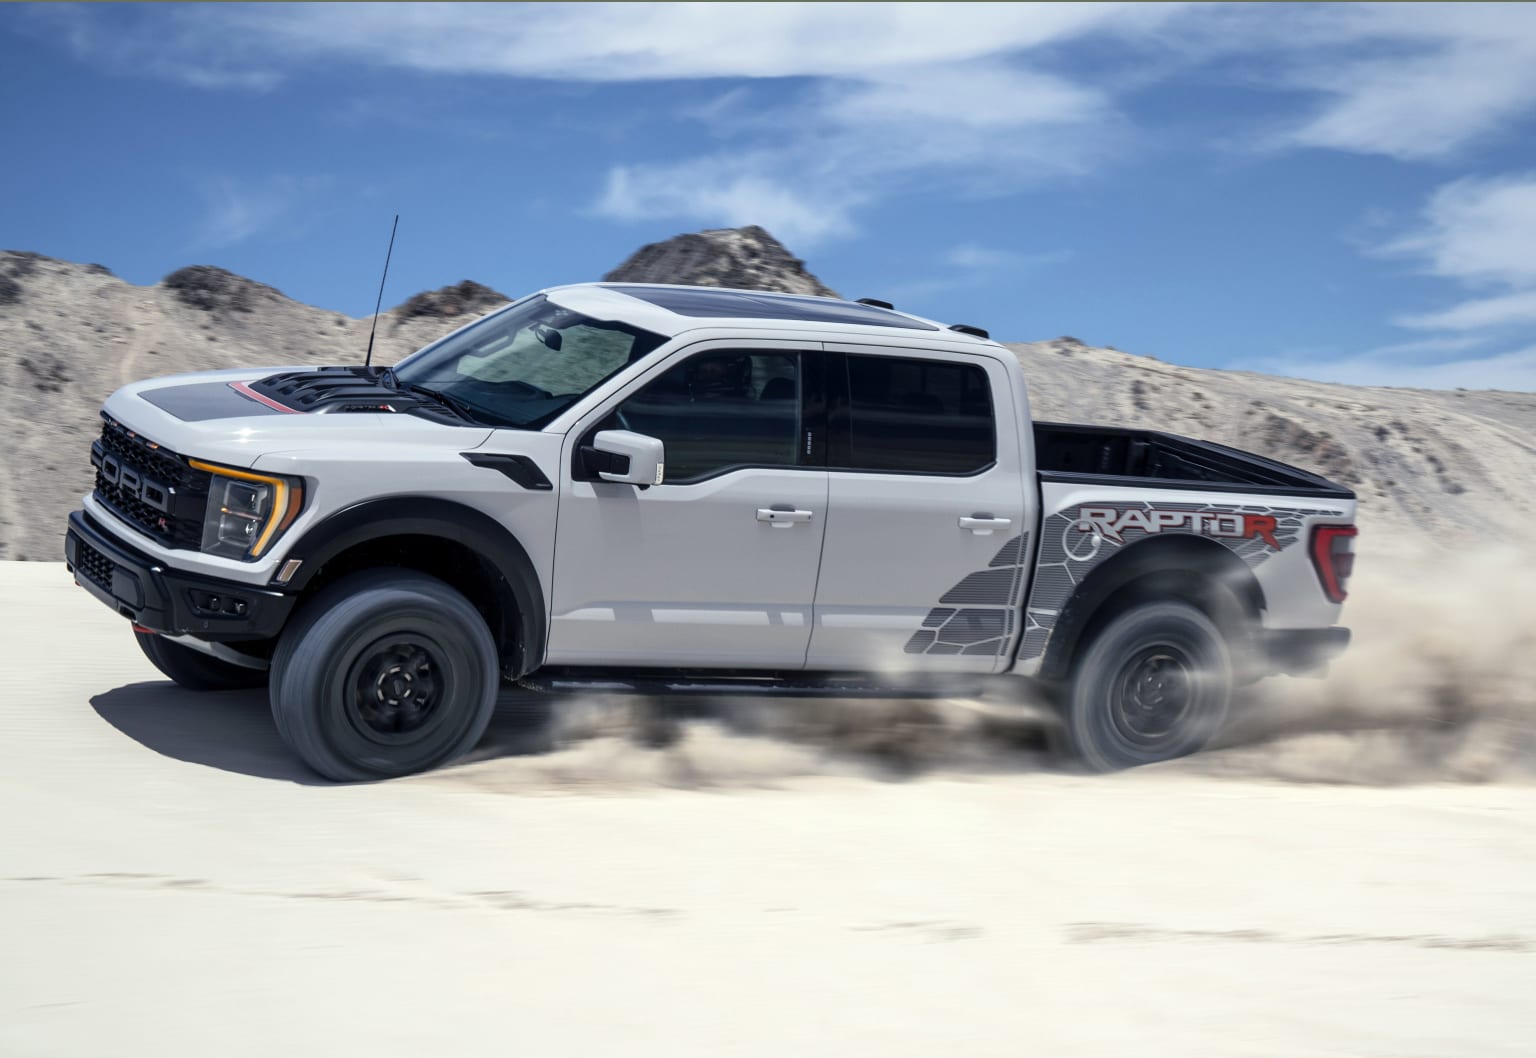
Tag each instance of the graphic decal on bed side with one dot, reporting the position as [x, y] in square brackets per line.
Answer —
[1078, 539]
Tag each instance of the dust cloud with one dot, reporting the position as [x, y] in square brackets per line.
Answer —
[1439, 685]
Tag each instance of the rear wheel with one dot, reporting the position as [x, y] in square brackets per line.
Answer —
[1154, 684]
[384, 673]
[195, 670]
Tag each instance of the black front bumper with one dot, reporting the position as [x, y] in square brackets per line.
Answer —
[166, 600]
[1303, 651]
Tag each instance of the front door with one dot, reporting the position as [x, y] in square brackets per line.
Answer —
[715, 567]
[923, 565]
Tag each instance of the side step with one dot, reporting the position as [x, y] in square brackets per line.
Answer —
[797, 685]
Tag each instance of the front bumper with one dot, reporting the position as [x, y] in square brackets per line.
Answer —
[1303, 651]
[165, 600]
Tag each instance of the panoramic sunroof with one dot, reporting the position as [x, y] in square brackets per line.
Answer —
[692, 301]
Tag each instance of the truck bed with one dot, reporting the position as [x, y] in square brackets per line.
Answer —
[1148, 458]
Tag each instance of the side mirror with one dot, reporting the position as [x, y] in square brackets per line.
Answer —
[624, 456]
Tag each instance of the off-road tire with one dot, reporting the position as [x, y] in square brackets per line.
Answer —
[195, 670]
[1154, 684]
[384, 673]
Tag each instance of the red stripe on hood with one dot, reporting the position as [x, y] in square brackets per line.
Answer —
[246, 391]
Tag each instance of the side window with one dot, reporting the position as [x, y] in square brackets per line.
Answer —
[915, 416]
[715, 411]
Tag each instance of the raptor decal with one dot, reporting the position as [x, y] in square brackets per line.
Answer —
[1113, 521]
[1076, 540]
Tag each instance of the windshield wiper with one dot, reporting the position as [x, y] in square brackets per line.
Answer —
[454, 404]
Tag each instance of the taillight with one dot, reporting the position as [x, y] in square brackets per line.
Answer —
[1333, 558]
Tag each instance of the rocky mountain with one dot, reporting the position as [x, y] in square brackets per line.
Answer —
[1451, 467]
[747, 258]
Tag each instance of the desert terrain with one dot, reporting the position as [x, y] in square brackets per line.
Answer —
[172, 882]
[1351, 871]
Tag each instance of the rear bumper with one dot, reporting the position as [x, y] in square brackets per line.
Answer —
[1303, 651]
[161, 599]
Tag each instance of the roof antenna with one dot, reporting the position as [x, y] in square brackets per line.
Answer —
[368, 360]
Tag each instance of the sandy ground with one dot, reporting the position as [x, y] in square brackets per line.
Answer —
[171, 883]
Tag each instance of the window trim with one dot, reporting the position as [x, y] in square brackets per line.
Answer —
[839, 424]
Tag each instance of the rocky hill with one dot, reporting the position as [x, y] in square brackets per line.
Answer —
[1454, 467]
[745, 258]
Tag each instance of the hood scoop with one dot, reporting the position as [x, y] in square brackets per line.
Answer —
[339, 391]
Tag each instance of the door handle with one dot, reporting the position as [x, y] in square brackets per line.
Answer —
[983, 524]
[783, 516]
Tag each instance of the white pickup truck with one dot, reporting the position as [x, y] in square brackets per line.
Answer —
[670, 489]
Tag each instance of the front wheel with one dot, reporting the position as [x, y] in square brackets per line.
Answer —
[1154, 684]
[384, 673]
[195, 670]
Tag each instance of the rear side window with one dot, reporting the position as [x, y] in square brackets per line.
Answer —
[913, 416]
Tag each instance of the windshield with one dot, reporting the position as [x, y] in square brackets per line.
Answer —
[526, 364]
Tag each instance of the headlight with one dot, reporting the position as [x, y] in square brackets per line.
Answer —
[246, 510]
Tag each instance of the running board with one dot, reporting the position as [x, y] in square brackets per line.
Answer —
[802, 686]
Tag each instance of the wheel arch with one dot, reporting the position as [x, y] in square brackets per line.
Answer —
[462, 546]
[1187, 568]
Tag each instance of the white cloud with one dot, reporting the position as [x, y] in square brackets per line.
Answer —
[634, 42]
[1424, 107]
[238, 210]
[1515, 370]
[174, 45]
[716, 191]
[978, 96]
[1477, 231]
[899, 96]
[596, 42]
[1410, 81]
[975, 258]
[1476, 314]
[835, 146]
[980, 258]
[1426, 350]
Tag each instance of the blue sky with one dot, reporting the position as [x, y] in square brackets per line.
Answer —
[1333, 191]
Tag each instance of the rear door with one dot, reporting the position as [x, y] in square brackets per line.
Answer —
[716, 566]
[923, 563]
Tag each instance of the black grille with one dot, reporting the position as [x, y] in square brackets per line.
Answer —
[93, 565]
[151, 488]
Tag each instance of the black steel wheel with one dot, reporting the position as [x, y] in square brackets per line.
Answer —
[1154, 684]
[396, 687]
[384, 673]
[195, 670]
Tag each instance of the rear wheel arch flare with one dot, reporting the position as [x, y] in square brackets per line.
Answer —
[1183, 567]
[464, 547]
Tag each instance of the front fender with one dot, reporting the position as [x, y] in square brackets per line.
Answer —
[396, 516]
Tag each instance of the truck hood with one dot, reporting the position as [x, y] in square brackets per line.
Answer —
[220, 417]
